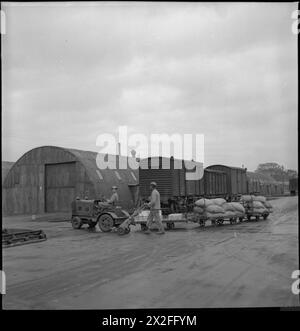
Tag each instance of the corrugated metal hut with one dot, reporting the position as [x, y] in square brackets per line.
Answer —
[48, 178]
[6, 165]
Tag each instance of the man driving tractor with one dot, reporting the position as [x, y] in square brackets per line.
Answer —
[114, 199]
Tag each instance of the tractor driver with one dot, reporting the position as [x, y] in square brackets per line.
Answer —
[115, 197]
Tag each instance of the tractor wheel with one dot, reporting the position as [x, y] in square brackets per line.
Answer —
[76, 223]
[127, 230]
[106, 222]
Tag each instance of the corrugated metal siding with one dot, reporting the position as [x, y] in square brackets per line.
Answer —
[60, 182]
[163, 178]
[214, 182]
[24, 186]
[171, 182]
[5, 169]
[236, 178]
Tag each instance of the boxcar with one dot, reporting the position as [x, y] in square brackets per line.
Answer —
[236, 179]
[263, 184]
[215, 183]
[293, 184]
[170, 174]
[177, 193]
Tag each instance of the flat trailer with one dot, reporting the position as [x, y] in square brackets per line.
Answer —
[218, 220]
[171, 219]
[250, 213]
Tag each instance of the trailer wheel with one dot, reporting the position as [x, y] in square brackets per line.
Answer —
[76, 223]
[257, 218]
[170, 225]
[265, 216]
[249, 217]
[121, 231]
[106, 222]
[241, 219]
[202, 224]
[143, 227]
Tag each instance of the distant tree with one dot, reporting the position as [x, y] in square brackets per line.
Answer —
[272, 169]
[291, 173]
[276, 171]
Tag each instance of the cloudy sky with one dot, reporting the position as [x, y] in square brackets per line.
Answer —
[225, 70]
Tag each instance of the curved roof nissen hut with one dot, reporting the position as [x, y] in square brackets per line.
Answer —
[48, 178]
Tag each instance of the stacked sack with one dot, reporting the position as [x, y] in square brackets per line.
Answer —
[218, 208]
[211, 208]
[256, 203]
[239, 208]
[264, 201]
[258, 207]
[234, 209]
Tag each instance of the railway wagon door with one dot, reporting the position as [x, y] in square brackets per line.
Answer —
[59, 186]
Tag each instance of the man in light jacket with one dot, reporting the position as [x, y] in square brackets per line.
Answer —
[154, 215]
[114, 199]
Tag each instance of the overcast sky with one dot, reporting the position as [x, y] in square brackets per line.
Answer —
[227, 70]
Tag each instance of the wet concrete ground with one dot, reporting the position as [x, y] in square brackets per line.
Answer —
[243, 265]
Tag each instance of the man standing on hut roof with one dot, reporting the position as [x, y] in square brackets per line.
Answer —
[154, 215]
[115, 197]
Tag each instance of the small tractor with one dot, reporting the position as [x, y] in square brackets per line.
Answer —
[92, 212]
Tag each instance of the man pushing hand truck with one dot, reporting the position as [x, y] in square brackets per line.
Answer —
[154, 215]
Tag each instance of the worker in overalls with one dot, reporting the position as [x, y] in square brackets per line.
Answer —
[114, 199]
[154, 215]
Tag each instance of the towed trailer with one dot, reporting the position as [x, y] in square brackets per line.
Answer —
[250, 213]
[171, 219]
[217, 220]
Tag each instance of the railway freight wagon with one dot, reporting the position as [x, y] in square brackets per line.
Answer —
[263, 184]
[236, 180]
[215, 183]
[176, 192]
[293, 184]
